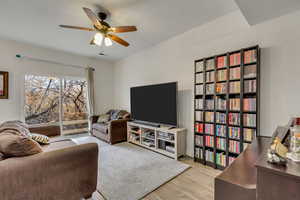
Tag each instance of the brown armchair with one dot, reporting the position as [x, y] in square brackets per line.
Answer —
[114, 130]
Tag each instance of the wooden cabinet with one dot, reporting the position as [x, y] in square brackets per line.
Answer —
[251, 177]
[238, 181]
[277, 182]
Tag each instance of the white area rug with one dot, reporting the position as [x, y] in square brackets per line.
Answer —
[129, 172]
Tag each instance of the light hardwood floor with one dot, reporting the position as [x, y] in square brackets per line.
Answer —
[197, 183]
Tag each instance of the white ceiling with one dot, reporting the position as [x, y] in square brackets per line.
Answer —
[257, 11]
[36, 22]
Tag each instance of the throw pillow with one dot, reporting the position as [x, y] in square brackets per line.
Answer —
[115, 114]
[12, 145]
[23, 124]
[1, 156]
[15, 127]
[42, 139]
[103, 118]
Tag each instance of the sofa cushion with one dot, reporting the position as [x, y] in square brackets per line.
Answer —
[59, 144]
[42, 139]
[102, 127]
[12, 145]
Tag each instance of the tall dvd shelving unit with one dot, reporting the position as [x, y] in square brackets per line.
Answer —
[226, 105]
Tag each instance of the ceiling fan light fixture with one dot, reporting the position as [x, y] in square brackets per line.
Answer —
[98, 39]
[103, 30]
[107, 41]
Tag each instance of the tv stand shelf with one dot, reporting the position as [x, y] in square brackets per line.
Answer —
[169, 142]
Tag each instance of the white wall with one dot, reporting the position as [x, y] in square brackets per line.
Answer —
[172, 60]
[12, 108]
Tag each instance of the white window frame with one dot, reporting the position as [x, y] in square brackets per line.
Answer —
[61, 78]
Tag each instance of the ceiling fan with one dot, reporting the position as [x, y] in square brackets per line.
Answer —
[103, 29]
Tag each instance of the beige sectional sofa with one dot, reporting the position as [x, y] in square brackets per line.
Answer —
[63, 171]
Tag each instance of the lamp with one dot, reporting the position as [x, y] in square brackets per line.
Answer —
[98, 39]
[107, 41]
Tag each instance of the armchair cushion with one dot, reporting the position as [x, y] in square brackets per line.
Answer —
[110, 115]
[103, 118]
[102, 127]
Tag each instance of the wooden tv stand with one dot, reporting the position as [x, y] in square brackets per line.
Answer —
[169, 142]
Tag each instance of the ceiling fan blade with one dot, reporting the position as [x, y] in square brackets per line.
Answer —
[123, 29]
[118, 40]
[77, 27]
[93, 17]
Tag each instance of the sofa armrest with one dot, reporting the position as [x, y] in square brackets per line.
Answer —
[67, 173]
[95, 118]
[117, 130]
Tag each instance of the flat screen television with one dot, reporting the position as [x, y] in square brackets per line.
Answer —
[155, 103]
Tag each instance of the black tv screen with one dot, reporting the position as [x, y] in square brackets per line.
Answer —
[155, 103]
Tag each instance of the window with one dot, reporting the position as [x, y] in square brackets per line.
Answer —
[56, 100]
[41, 99]
[74, 106]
